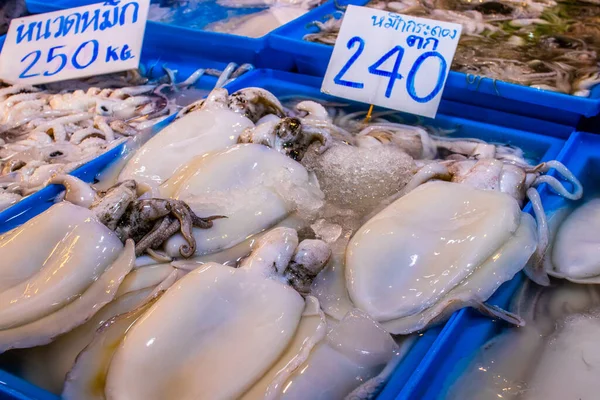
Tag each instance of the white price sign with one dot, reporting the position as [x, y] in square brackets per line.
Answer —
[391, 60]
[74, 43]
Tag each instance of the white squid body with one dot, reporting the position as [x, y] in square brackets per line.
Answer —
[47, 366]
[249, 337]
[354, 351]
[575, 254]
[240, 323]
[442, 247]
[199, 132]
[53, 280]
[569, 356]
[254, 186]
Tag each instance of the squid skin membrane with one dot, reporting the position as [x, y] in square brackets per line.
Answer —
[21, 260]
[80, 309]
[64, 264]
[355, 350]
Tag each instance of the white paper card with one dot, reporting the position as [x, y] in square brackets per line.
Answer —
[391, 60]
[74, 43]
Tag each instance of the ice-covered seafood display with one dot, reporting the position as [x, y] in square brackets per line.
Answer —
[555, 354]
[54, 129]
[262, 249]
[549, 45]
[251, 18]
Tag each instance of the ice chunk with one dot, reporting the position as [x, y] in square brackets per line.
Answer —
[360, 178]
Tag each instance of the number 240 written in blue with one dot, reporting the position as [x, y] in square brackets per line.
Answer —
[393, 75]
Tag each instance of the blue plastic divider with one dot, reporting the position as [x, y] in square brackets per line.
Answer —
[313, 58]
[460, 341]
[282, 84]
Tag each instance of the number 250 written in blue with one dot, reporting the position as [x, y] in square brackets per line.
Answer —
[393, 75]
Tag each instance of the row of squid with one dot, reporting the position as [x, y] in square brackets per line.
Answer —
[58, 128]
[253, 249]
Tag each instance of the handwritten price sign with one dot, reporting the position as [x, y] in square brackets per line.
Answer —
[391, 60]
[74, 43]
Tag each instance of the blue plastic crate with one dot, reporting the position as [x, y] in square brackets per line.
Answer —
[218, 46]
[461, 339]
[537, 147]
[284, 84]
[313, 58]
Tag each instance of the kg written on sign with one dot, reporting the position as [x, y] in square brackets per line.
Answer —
[391, 60]
[74, 43]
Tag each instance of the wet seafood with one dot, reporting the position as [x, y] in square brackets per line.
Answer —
[229, 308]
[44, 132]
[211, 126]
[149, 222]
[77, 269]
[500, 170]
[495, 173]
[574, 254]
[254, 186]
[544, 44]
[47, 366]
[516, 363]
[61, 282]
[336, 224]
[460, 262]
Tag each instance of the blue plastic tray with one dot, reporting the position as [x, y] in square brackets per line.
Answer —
[537, 147]
[313, 58]
[467, 332]
[285, 84]
[218, 46]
